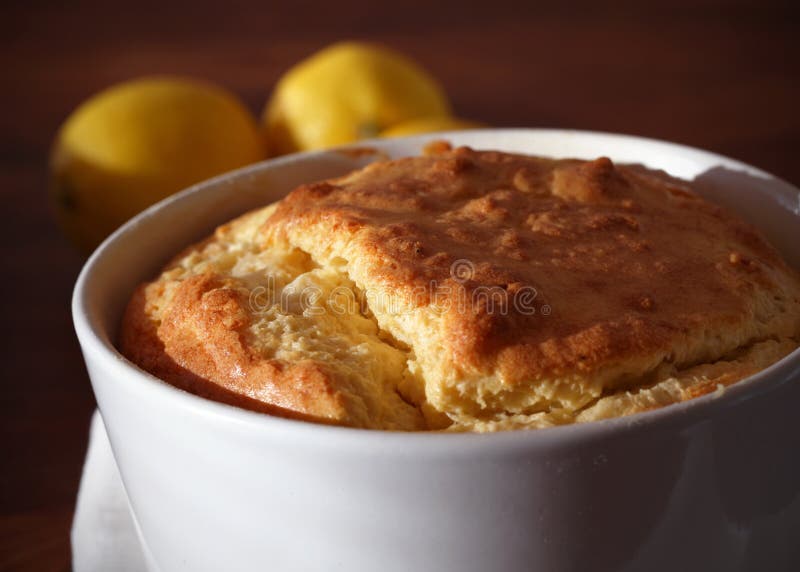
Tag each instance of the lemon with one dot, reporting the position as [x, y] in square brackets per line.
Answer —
[140, 141]
[346, 92]
[429, 125]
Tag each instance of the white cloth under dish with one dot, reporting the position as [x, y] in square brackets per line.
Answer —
[103, 533]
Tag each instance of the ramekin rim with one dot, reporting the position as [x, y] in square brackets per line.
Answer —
[97, 346]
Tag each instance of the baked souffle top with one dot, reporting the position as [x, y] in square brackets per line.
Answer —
[469, 290]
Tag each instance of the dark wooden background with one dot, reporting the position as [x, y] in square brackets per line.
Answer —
[724, 76]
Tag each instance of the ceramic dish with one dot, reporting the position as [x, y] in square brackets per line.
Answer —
[709, 484]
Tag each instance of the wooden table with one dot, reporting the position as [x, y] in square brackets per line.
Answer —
[719, 75]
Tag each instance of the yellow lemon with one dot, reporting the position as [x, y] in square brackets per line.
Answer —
[429, 125]
[140, 141]
[346, 92]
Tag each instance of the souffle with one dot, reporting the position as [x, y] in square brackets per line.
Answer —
[468, 290]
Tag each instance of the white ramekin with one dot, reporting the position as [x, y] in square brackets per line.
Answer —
[711, 484]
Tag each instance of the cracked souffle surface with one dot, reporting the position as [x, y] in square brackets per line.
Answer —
[469, 290]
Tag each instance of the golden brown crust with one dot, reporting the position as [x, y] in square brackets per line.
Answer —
[629, 270]
[207, 326]
[507, 284]
[198, 347]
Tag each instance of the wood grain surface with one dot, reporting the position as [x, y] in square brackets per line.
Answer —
[724, 76]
